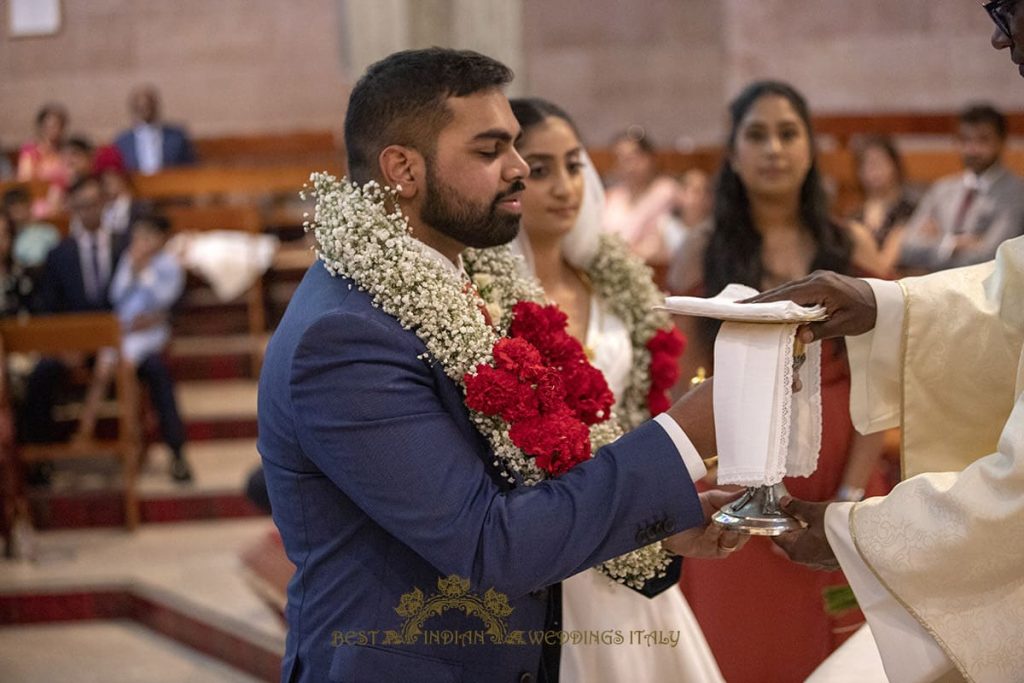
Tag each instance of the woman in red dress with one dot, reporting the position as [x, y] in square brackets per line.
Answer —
[765, 617]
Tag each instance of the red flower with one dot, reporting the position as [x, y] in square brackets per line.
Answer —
[516, 355]
[658, 402]
[499, 392]
[664, 371]
[665, 346]
[587, 393]
[543, 385]
[550, 391]
[668, 341]
[545, 328]
[557, 441]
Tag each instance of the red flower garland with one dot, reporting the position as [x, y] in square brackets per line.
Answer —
[542, 384]
[666, 346]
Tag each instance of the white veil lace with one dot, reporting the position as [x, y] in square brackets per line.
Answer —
[581, 244]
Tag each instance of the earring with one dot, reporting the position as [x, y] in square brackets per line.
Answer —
[398, 187]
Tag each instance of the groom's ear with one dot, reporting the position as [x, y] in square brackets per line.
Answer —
[404, 169]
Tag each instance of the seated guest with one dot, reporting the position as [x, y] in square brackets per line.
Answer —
[6, 168]
[78, 153]
[150, 145]
[122, 208]
[888, 201]
[691, 216]
[640, 199]
[75, 278]
[33, 239]
[147, 282]
[42, 159]
[15, 285]
[964, 218]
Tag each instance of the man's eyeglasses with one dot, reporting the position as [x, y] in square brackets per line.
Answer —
[1001, 12]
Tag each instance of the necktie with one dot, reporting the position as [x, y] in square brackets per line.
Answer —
[959, 226]
[94, 280]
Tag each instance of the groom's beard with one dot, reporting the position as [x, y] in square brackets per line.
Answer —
[472, 225]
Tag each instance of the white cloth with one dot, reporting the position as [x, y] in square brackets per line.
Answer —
[231, 261]
[764, 431]
[149, 148]
[725, 306]
[592, 602]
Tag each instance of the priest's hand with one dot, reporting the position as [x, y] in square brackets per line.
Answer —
[850, 303]
[808, 546]
[709, 540]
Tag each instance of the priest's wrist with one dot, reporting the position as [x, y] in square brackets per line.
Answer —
[851, 494]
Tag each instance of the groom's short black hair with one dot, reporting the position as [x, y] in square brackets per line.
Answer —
[400, 100]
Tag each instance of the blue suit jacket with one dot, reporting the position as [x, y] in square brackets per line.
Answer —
[380, 485]
[177, 148]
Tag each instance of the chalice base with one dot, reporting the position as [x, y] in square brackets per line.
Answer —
[758, 513]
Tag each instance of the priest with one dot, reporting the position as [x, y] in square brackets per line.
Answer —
[936, 565]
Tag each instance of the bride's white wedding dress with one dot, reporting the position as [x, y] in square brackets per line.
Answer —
[592, 602]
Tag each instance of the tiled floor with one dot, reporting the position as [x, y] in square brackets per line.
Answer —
[192, 567]
[104, 652]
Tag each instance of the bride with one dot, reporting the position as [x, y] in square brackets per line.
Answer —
[606, 294]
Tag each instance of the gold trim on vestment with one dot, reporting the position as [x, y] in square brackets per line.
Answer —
[904, 343]
[910, 610]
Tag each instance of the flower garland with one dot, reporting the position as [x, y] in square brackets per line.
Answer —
[530, 390]
[626, 284]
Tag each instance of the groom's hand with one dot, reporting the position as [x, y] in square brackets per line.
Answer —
[709, 540]
[808, 546]
[850, 303]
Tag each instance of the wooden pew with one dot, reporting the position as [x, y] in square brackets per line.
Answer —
[320, 146]
[213, 183]
[85, 333]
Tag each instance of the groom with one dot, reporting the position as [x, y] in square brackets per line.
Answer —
[379, 481]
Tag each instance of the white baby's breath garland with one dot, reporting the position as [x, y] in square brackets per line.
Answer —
[361, 234]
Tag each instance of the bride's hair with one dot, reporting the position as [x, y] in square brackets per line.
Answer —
[532, 111]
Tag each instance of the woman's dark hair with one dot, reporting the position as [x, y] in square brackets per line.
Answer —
[53, 108]
[734, 251]
[884, 143]
[155, 221]
[532, 111]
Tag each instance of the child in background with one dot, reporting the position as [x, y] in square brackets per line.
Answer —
[147, 282]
